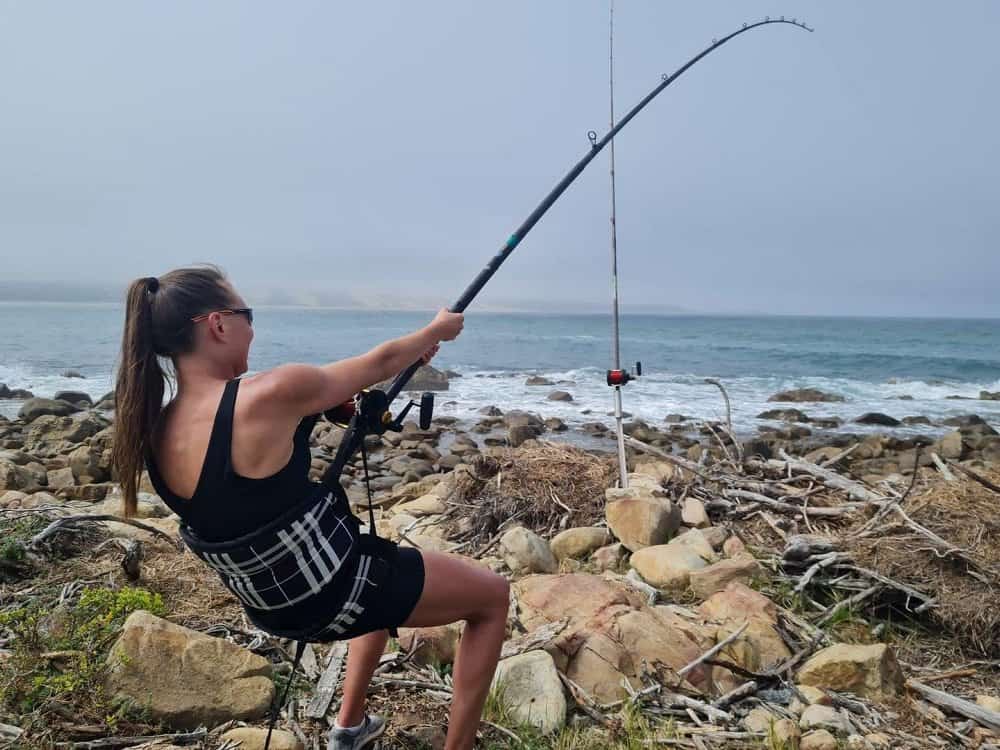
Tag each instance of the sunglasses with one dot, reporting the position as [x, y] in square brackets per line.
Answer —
[245, 311]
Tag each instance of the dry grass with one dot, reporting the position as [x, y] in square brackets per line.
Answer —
[543, 487]
[967, 515]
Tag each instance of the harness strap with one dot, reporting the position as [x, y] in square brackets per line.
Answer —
[373, 533]
[300, 646]
[368, 486]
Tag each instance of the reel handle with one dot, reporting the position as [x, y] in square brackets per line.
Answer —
[426, 410]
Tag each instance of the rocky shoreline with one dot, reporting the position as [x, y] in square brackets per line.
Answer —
[717, 599]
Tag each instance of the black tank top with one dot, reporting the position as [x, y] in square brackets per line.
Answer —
[226, 505]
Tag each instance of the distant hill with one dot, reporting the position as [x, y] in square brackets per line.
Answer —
[68, 291]
[60, 291]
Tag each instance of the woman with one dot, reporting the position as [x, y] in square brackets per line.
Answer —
[230, 455]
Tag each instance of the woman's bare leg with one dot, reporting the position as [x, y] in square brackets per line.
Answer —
[457, 589]
[363, 654]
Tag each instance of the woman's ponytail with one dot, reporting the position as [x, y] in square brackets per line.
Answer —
[138, 391]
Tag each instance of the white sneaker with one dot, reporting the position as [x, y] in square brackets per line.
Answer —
[355, 739]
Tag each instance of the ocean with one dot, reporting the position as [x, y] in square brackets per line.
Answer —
[901, 367]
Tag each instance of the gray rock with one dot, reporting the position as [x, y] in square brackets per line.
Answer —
[674, 418]
[916, 420]
[988, 396]
[964, 420]
[555, 424]
[877, 418]
[71, 374]
[449, 462]
[491, 411]
[426, 378]
[517, 418]
[60, 478]
[34, 408]
[24, 478]
[560, 396]
[757, 447]
[74, 397]
[950, 445]
[538, 380]
[785, 415]
[14, 393]
[519, 433]
[806, 395]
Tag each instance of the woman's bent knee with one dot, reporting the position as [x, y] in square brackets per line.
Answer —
[497, 602]
[503, 592]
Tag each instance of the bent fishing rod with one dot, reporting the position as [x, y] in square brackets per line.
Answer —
[371, 414]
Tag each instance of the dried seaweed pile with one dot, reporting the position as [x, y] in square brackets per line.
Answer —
[545, 487]
[945, 541]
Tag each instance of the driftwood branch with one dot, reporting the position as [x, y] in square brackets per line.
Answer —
[181, 738]
[327, 685]
[69, 522]
[683, 671]
[832, 479]
[676, 460]
[968, 709]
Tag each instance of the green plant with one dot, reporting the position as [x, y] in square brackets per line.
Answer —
[16, 533]
[59, 654]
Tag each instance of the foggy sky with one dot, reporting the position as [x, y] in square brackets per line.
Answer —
[385, 150]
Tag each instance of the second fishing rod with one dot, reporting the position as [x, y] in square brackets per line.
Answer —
[373, 417]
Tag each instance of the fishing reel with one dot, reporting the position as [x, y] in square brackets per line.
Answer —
[371, 408]
[621, 377]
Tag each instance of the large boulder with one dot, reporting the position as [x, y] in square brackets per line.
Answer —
[578, 542]
[760, 646]
[805, 395]
[531, 690]
[716, 577]
[610, 633]
[14, 393]
[49, 435]
[427, 378]
[185, 678]
[34, 408]
[74, 397]
[560, 396]
[26, 478]
[868, 671]
[669, 566]
[526, 552]
[639, 519]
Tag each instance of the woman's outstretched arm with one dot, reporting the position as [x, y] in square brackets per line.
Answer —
[300, 390]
